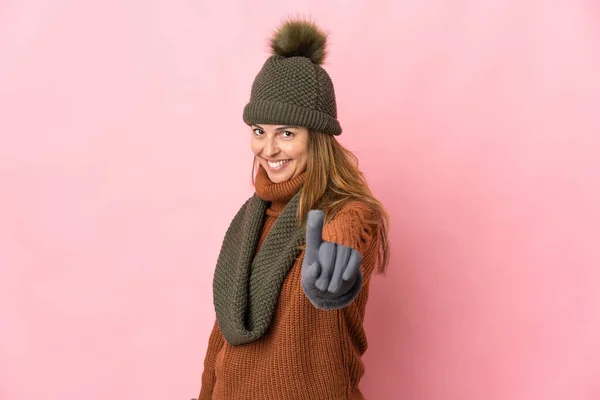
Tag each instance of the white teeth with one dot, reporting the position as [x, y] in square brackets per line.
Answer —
[277, 164]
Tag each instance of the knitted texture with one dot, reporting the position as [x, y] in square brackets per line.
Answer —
[306, 353]
[293, 91]
[246, 285]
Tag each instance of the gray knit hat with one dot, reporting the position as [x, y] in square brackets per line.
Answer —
[292, 88]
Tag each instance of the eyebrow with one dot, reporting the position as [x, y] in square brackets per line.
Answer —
[281, 128]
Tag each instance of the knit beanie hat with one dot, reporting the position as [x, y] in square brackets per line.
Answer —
[292, 88]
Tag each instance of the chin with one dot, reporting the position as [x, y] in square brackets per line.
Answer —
[279, 175]
[278, 178]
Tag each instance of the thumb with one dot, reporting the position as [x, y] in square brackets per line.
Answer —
[314, 235]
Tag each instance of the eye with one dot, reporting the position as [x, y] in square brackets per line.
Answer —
[257, 132]
[287, 134]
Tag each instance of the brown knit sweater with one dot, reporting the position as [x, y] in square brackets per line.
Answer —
[307, 353]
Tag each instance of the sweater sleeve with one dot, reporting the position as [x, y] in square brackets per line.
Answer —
[215, 343]
[349, 228]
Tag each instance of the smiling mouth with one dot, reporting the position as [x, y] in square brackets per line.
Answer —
[277, 164]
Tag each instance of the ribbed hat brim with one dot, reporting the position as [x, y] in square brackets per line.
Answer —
[271, 112]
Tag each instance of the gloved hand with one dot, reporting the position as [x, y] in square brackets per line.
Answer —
[331, 276]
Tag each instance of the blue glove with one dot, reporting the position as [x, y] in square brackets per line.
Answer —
[331, 276]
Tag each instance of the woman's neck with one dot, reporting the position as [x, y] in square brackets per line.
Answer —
[278, 194]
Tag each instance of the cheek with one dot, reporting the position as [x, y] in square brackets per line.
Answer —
[303, 156]
[254, 146]
[297, 152]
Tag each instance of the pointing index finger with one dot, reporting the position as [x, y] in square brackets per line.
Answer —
[314, 235]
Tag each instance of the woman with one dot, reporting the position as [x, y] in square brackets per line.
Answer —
[292, 279]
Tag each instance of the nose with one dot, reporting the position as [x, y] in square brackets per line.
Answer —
[271, 148]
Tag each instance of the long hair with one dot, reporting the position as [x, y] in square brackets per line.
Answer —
[333, 179]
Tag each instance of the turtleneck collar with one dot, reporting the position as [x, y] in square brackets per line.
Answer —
[278, 194]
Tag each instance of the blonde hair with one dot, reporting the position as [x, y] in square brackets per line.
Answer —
[334, 179]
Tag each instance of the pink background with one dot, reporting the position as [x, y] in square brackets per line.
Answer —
[124, 156]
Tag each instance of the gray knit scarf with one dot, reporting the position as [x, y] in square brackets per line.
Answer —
[246, 285]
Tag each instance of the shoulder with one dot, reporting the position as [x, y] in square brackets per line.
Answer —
[354, 211]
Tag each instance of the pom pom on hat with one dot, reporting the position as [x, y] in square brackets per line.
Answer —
[300, 38]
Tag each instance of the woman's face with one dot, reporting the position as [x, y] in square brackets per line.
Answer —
[282, 150]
